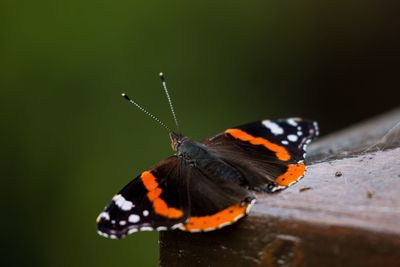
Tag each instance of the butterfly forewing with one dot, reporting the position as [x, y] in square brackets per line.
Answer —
[155, 200]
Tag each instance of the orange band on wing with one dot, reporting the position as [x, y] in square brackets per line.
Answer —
[280, 152]
[293, 173]
[149, 181]
[159, 205]
[161, 208]
[153, 195]
[211, 222]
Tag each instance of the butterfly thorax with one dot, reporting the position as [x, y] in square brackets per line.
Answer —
[197, 155]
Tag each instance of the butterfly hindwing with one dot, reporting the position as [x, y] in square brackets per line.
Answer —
[215, 203]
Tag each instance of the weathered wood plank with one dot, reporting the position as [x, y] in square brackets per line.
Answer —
[345, 212]
[273, 242]
[381, 132]
[365, 195]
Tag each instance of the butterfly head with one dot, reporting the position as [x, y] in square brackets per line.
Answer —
[176, 140]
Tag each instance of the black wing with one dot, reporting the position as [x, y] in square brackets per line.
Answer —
[173, 195]
[270, 154]
[152, 201]
[214, 202]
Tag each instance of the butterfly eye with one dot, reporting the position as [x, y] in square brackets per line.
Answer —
[176, 140]
[174, 144]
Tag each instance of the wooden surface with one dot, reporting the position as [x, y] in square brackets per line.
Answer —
[345, 212]
[366, 195]
[379, 133]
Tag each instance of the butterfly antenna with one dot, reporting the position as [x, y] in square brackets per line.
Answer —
[171, 107]
[146, 112]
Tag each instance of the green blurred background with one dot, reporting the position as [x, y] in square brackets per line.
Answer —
[70, 142]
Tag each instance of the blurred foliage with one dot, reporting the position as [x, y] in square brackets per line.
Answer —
[69, 141]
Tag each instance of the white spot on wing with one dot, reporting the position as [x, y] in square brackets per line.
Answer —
[178, 225]
[146, 228]
[224, 224]
[161, 228]
[102, 234]
[145, 213]
[122, 222]
[285, 142]
[104, 215]
[292, 137]
[133, 218]
[292, 122]
[316, 128]
[238, 217]
[279, 187]
[250, 206]
[273, 127]
[122, 203]
[133, 230]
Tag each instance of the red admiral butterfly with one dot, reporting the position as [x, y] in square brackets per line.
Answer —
[208, 185]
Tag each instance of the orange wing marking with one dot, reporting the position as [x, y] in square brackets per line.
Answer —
[280, 152]
[159, 205]
[293, 173]
[217, 220]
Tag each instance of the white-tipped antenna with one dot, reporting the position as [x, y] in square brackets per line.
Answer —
[164, 85]
[146, 112]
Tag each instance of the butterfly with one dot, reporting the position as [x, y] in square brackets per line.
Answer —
[210, 184]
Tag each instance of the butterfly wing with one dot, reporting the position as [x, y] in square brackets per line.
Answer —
[214, 202]
[155, 200]
[270, 153]
[173, 195]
